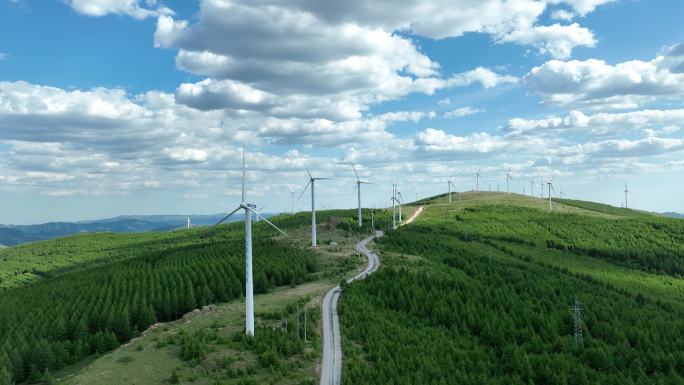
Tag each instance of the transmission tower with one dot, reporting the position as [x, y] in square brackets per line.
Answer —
[577, 310]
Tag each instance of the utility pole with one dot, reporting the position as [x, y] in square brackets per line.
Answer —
[577, 310]
[298, 321]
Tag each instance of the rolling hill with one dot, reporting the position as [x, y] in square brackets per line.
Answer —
[479, 291]
[11, 235]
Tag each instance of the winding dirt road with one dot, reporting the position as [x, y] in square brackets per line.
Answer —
[331, 363]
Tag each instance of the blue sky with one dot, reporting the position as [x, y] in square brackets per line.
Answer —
[141, 107]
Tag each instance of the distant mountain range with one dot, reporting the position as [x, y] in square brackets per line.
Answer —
[674, 215]
[11, 235]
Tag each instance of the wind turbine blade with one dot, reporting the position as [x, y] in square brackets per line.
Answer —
[356, 173]
[303, 191]
[355, 187]
[227, 216]
[308, 172]
[267, 221]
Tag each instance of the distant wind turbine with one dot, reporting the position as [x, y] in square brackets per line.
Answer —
[249, 285]
[312, 182]
[508, 178]
[532, 182]
[626, 192]
[541, 183]
[399, 200]
[359, 182]
[394, 205]
[449, 184]
[550, 183]
[477, 180]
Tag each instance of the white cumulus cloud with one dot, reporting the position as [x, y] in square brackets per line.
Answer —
[462, 111]
[133, 8]
[595, 82]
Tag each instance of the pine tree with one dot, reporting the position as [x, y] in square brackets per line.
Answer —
[5, 376]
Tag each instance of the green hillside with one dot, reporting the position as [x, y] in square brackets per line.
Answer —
[480, 292]
[27, 263]
[68, 299]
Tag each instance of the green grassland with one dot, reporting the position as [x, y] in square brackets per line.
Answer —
[480, 292]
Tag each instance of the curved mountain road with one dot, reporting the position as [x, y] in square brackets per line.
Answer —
[331, 363]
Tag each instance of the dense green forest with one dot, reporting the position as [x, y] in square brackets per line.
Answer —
[65, 299]
[650, 243]
[603, 208]
[451, 304]
[59, 321]
[27, 263]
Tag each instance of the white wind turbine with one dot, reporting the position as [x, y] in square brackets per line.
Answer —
[550, 183]
[532, 182]
[394, 206]
[292, 194]
[249, 285]
[508, 177]
[541, 183]
[312, 182]
[562, 194]
[449, 184]
[477, 180]
[626, 192]
[359, 182]
[189, 224]
[399, 200]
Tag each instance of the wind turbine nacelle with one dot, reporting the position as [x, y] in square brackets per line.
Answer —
[251, 205]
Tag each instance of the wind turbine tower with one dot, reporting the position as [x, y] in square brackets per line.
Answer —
[508, 178]
[477, 180]
[532, 185]
[312, 182]
[359, 182]
[394, 209]
[541, 184]
[550, 189]
[249, 285]
[189, 223]
[449, 183]
[626, 192]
